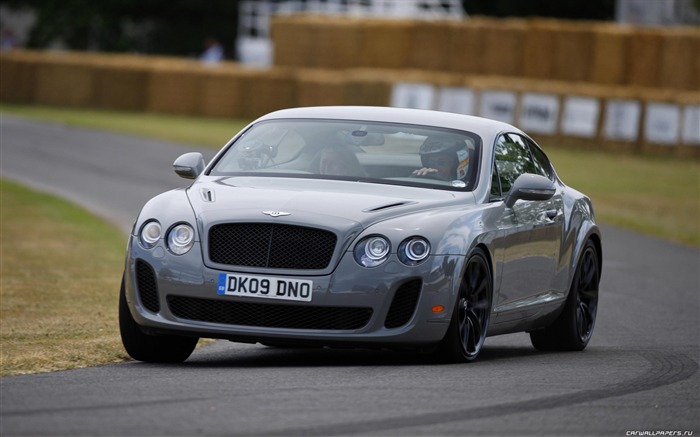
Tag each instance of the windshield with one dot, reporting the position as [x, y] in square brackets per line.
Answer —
[385, 153]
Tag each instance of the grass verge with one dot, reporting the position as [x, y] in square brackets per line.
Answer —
[60, 270]
[652, 195]
[211, 132]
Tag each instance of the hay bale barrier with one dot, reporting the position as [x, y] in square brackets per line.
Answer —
[597, 85]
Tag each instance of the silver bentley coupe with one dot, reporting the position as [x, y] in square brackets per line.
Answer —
[364, 227]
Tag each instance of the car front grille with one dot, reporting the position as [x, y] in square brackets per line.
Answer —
[269, 315]
[404, 304]
[147, 286]
[272, 246]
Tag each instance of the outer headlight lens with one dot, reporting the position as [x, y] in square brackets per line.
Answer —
[372, 251]
[181, 239]
[414, 250]
[150, 234]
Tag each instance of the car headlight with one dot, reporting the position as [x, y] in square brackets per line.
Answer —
[372, 251]
[181, 239]
[414, 250]
[150, 234]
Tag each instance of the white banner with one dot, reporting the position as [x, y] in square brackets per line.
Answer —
[456, 99]
[539, 113]
[662, 123]
[580, 117]
[622, 120]
[498, 105]
[691, 125]
[413, 95]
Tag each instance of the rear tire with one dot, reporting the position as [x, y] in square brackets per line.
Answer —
[572, 330]
[470, 319]
[151, 348]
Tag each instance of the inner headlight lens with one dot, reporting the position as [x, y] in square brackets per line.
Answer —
[150, 234]
[414, 250]
[372, 251]
[181, 239]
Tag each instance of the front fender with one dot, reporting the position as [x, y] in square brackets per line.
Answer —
[583, 227]
[168, 208]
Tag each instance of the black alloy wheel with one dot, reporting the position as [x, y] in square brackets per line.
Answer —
[573, 329]
[467, 332]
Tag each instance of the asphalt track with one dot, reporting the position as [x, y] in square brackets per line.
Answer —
[639, 375]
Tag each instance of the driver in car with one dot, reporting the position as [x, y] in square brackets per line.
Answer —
[443, 159]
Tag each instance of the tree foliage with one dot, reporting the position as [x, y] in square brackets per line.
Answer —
[569, 9]
[179, 27]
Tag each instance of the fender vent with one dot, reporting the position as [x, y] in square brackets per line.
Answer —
[147, 286]
[404, 304]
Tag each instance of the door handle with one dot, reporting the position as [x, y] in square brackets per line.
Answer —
[551, 214]
[547, 217]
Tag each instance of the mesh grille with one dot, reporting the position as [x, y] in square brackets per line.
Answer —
[404, 304]
[269, 315]
[271, 246]
[147, 287]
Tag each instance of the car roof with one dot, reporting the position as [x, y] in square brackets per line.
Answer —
[479, 125]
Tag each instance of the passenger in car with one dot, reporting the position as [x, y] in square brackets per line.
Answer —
[339, 161]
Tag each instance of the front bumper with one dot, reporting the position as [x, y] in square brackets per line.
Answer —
[390, 305]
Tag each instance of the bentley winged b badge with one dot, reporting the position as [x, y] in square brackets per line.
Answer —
[276, 213]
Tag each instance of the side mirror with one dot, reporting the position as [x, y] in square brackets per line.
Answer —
[530, 187]
[190, 165]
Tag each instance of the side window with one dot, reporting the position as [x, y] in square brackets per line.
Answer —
[512, 160]
[495, 185]
[542, 163]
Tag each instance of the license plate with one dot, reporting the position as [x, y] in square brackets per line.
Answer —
[265, 287]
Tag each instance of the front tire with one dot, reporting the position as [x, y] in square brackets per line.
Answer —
[151, 348]
[572, 330]
[470, 319]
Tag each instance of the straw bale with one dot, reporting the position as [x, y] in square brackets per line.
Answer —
[679, 67]
[64, 81]
[368, 87]
[504, 44]
[336, 43]
[538, 61]
[386, 43]
[293, 40]
[431, 45]
[223, 92]
[466, 47]
[122, 86]
[18, 77]
[610, 45]
[321, 88]
[174, 89]
[572, 52]
[644, 57]
[269, 90]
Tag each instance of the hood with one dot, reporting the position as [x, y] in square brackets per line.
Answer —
[338, 205]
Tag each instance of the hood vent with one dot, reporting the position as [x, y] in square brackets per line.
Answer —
[207, 195]
[389, 206]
